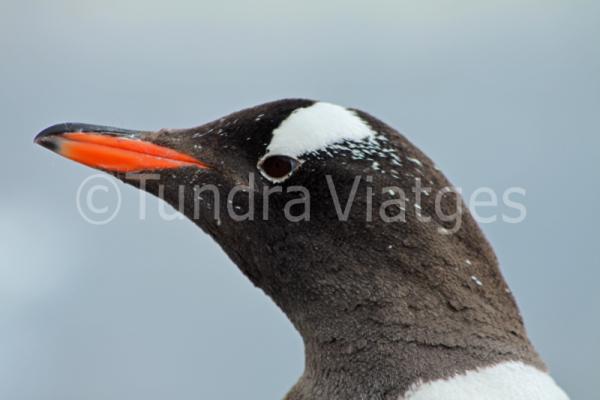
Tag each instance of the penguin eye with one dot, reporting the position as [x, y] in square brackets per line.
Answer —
[277, 168]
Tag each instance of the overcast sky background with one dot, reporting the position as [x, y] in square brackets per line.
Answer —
[498, 93]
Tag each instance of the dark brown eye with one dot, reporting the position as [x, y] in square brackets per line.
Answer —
[277, 168]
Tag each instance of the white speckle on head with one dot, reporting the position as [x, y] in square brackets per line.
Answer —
[315, 128]
[468, 262]
[476, 280]
[415, 161]
[512, 380]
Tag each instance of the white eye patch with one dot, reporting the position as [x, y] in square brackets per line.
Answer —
[315, 128]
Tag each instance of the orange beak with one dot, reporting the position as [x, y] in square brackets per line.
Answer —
[111, 149]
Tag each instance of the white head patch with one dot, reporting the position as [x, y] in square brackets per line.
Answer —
[315, 128]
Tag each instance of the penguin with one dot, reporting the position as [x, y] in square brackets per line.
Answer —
[354, 233]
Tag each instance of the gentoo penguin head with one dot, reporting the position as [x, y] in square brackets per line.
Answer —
[350, 228]
[293, 190]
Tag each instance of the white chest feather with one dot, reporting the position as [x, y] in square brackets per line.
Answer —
[506, 381]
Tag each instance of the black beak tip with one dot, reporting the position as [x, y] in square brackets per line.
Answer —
[49, 144]
[44, 136]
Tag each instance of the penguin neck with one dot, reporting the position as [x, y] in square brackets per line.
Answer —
[384, 308]
[377, 329]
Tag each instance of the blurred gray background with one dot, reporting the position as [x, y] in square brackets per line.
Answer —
[499, 93]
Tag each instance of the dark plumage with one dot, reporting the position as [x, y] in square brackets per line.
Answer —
[380, 305]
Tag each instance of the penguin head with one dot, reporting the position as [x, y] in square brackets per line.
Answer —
[300, 194]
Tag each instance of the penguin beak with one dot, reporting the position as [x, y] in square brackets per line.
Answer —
[112, 149]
